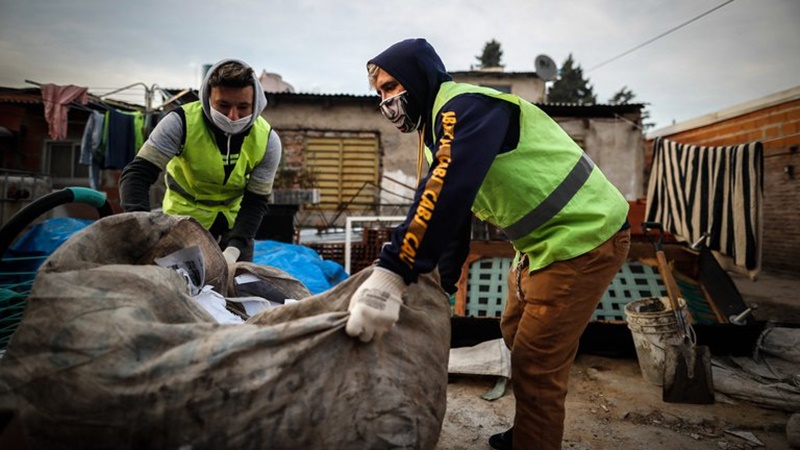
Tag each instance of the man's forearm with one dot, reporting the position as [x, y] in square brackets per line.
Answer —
[134, 185]
[251, 213]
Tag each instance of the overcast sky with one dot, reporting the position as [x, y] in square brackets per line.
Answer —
[744, 50]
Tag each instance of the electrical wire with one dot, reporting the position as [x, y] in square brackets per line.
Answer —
[671, 30]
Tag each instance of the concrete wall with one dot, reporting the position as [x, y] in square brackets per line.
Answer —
[614, 144]
[616, 148]
[531, 88]
[775, 121]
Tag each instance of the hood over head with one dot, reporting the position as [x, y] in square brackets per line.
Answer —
[415, 64]
[259, 100]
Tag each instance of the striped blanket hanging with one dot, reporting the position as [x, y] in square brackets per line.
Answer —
[719, 190]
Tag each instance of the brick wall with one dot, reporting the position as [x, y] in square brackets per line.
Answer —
[778, 128]
[293, 143]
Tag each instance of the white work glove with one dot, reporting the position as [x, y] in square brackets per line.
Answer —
[231, 254]
[375, 306]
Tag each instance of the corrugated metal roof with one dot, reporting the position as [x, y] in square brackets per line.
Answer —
[320, 95]
[561, 109]
[493, 74]
[574, 109]
[20, 97]
[193, 93]
[33, 96]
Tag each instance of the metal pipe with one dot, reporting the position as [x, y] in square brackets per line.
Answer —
[741, 318]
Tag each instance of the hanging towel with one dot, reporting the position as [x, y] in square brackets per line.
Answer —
[92, 153]
[695, 189]
[138, 130]
[120, 139]
[56, 105]
[92, 137]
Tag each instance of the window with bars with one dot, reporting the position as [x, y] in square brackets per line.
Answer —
[62, 162]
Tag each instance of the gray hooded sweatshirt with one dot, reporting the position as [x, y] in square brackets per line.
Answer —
[167, 140]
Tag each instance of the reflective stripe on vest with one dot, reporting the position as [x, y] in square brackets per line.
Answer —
[172, 183]
[554, 202]
[201, 186]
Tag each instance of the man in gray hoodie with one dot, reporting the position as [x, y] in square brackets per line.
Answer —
[219, 157]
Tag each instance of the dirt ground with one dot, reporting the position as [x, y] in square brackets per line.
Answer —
[610, 405]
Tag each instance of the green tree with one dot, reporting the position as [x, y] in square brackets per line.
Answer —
[626, 95]
[622, 97]
[491, 56]
[571, 87]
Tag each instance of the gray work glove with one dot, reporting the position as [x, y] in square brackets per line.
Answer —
[231, 254]
[375, 306]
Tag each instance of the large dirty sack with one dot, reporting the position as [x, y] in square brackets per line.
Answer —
[770, 378]
[113, 353]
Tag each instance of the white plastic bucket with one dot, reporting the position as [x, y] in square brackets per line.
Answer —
[654, 328]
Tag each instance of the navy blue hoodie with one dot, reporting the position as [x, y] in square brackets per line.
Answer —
[437, 229]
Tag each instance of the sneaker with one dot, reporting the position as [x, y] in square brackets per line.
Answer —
[502, 441]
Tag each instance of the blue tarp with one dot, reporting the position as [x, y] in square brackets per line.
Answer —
[47, 236]
[302, 263]
[20, 262]
[299, 261]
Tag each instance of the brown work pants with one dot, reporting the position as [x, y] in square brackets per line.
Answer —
[543, 328]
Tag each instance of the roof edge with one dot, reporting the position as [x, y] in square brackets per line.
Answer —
[740, 109]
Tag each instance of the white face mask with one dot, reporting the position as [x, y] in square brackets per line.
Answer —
[227, 125]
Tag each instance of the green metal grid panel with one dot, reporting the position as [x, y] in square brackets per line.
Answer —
[16, 278]
[633, 281]
[692, 293]
[486, 287]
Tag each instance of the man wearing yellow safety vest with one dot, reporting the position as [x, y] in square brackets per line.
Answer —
[503, 159]
[219, 155]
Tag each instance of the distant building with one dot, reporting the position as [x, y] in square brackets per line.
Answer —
[359, 162]
[362, 165]
[32, 164]
[273, 83]
[526, 85]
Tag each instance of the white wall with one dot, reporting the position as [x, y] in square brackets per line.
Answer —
[615, 146]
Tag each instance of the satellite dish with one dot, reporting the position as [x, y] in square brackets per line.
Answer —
[545, 67]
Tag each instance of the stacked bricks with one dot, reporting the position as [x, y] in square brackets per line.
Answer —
[331, 251]
[362, 254]
[372, 241]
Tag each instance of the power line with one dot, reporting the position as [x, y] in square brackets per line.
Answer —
[659, 36]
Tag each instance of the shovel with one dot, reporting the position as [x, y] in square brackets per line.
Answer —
[687, 367]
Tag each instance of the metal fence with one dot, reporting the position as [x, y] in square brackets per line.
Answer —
[18, 189]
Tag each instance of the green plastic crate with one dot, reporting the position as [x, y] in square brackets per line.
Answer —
[487, 288]
[634, 281]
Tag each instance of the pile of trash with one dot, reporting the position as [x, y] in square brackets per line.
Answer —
[115, 351]
[300, 261]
